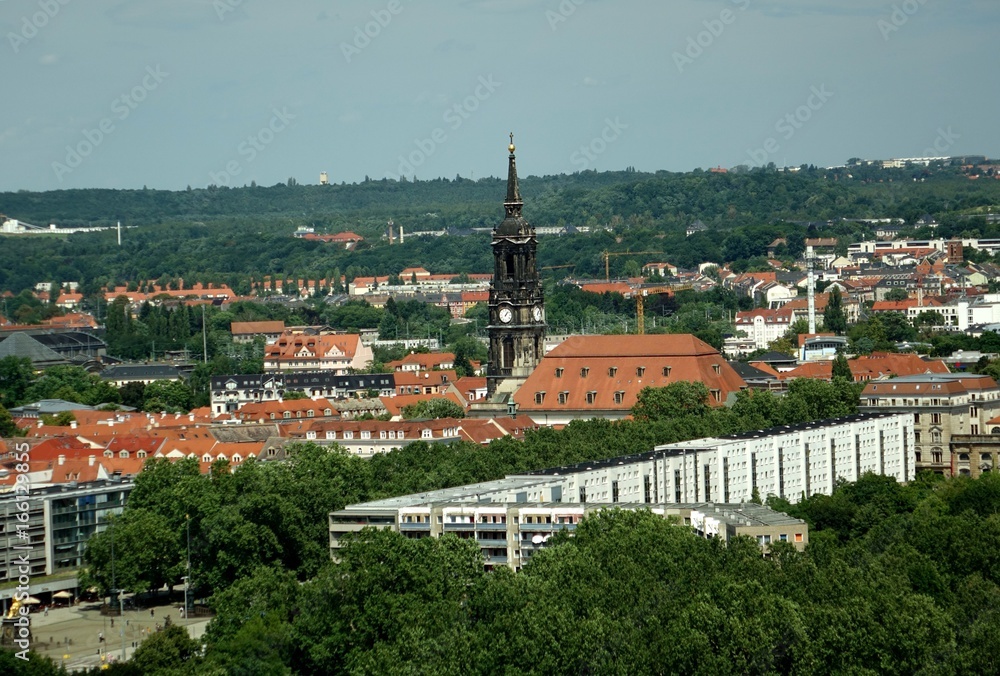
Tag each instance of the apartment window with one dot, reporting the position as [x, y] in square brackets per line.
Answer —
[425, 434]
[916, 437]
[619, 397]
[539, 397]
[973, 411]
[783, 537]
[584, 372]
[348, 435]
[366, 434]
[936, 457]
[591, 397]
[666, 371]
[916, 418]
[973, 428]
[640, 370]
[612, 371]
[936, 437]
[935, 418]
[563, 397]
[559, 372]
[798, 537]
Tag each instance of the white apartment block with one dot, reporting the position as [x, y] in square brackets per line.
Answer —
[708, 483]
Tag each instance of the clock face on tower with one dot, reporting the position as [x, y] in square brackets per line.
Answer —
[536, 312]
[506, 314]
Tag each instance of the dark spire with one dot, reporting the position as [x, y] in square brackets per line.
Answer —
[512, 205]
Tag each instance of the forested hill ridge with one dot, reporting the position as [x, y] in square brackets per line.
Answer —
[731, 198]
[228, 234]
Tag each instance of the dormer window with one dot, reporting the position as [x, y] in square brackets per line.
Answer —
[591, 397]
[584, 372]
[640, 370]
[539, 397]
[666, 371]
[559, 372]
[717, 368]
[122, 454]
[563, 397]
[613, 371]
[619, 397]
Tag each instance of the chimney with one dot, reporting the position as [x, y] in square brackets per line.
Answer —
[72, 425]
[191, 417]
[62, 460]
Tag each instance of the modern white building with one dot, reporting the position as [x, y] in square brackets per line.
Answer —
[708, 483]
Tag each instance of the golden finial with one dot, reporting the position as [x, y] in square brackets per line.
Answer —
[511, 146]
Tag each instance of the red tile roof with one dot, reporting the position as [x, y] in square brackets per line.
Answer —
[607, 372]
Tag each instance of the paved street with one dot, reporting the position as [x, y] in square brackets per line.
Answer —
[73, 634]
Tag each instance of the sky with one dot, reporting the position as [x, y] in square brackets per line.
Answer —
[175, 93]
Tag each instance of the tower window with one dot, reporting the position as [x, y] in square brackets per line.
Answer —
[539, 397]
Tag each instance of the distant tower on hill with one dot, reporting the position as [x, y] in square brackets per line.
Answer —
[323, 178]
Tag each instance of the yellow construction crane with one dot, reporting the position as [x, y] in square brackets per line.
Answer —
[608, 254]
[640, 294]
[558, 267]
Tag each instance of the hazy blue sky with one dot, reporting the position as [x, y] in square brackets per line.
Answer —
[170, 93]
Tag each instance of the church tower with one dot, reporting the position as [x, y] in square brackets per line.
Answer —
[517, 310]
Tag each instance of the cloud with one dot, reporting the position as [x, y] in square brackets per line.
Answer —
[48, 59]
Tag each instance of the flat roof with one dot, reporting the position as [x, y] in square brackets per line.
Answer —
[746, 514]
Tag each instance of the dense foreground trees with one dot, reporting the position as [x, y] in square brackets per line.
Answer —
[896, 580]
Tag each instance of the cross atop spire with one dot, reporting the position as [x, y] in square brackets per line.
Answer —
[512, 205]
